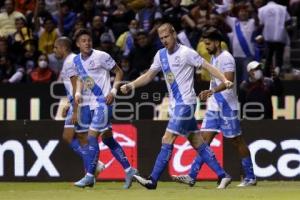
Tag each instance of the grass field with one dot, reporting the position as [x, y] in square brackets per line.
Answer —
[265, 190]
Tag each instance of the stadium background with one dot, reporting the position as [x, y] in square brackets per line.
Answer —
[30, 140]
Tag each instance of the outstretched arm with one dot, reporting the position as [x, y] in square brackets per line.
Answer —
[217, 73]
[140, 81]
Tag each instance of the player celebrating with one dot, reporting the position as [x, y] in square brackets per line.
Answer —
[93, 68]
[178, 63]
[78, 142]
[222, 112]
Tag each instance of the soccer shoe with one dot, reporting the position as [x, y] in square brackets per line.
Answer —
[185, 179]
[100, 167]
[224, 182]
[147, 183]
[248, 182]
[86, 181]
[129, 177]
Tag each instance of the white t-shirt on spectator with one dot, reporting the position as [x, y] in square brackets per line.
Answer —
[273, 16]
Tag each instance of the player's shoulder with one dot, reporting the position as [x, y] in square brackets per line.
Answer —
[226, 55]
[99, 53]
[69, 59]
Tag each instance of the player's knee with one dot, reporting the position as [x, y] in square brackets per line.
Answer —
[82, 138]
[106, 134]
[67, 138]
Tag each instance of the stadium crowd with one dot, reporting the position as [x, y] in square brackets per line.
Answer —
[127, 30]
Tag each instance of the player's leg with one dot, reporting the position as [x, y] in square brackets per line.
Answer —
[161, 162]
[119, 154]
[230, 126]
[244, 153]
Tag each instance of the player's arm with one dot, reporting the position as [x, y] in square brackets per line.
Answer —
[217, 73]
[118, 78]
[142, 80]
[77, 87]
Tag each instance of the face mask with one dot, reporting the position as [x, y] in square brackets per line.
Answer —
[43, 64]
[133, 30]
[258, 74]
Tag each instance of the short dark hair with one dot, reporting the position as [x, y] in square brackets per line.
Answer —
[213, 34]
[66, 42]
[81, 32]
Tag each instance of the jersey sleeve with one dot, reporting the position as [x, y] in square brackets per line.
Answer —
[156, 65]
[70, 69]
[228, 65]
[194, 59]
[107, 62]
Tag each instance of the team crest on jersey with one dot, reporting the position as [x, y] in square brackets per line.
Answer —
[170, 77]
[88, 83]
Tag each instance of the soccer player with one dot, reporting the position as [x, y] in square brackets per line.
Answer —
[178, 64]
[94, 69]
[74, 135]
[222, 112]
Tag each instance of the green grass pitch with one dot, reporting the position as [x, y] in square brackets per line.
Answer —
[265, 190]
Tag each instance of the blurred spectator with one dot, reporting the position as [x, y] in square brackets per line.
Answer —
[127, 70]
[98, 27]
[51, 6]
[42, 73]
[126, 40]
[176, 13]
[65, 18]
[120, 18]
[8, 17]
[88, 13]
[201, 13]
[10, 72]
[274, 18]
[37, 18]
[3, 47]
[147, 15]
[30, 55]
[295, 10]
[140, 58]
[22, 34]
[242, 41]
[47, 36]
[79, 24]
[257, 90]
[107, 45]
[25, 6]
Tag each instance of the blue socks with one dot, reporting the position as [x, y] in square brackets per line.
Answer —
[82, 151]
[93, 149]
[196, 166]
[75, 145]
[117, 151]
[248, 168]
[161, 161]
[209, 158]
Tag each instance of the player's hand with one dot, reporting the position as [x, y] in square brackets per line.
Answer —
[110, 98]
[228, 84]
[205, 94]
[78, 98]
[125, 88]
[65, 110]
[74, 118]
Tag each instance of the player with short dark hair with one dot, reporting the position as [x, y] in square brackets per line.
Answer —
[222, 112]
[94, 69]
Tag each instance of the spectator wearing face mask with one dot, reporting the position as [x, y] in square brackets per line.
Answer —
[42, 74]
[257, 92]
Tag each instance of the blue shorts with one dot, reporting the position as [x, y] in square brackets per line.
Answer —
[182, 120]
[101, 118]
[83, 121]
[227, 122]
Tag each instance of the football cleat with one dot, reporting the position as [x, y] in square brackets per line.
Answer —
[248, 182]
[223, 182]
[86, 181]
[185, 179]
[129, 177]
[147, 183]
